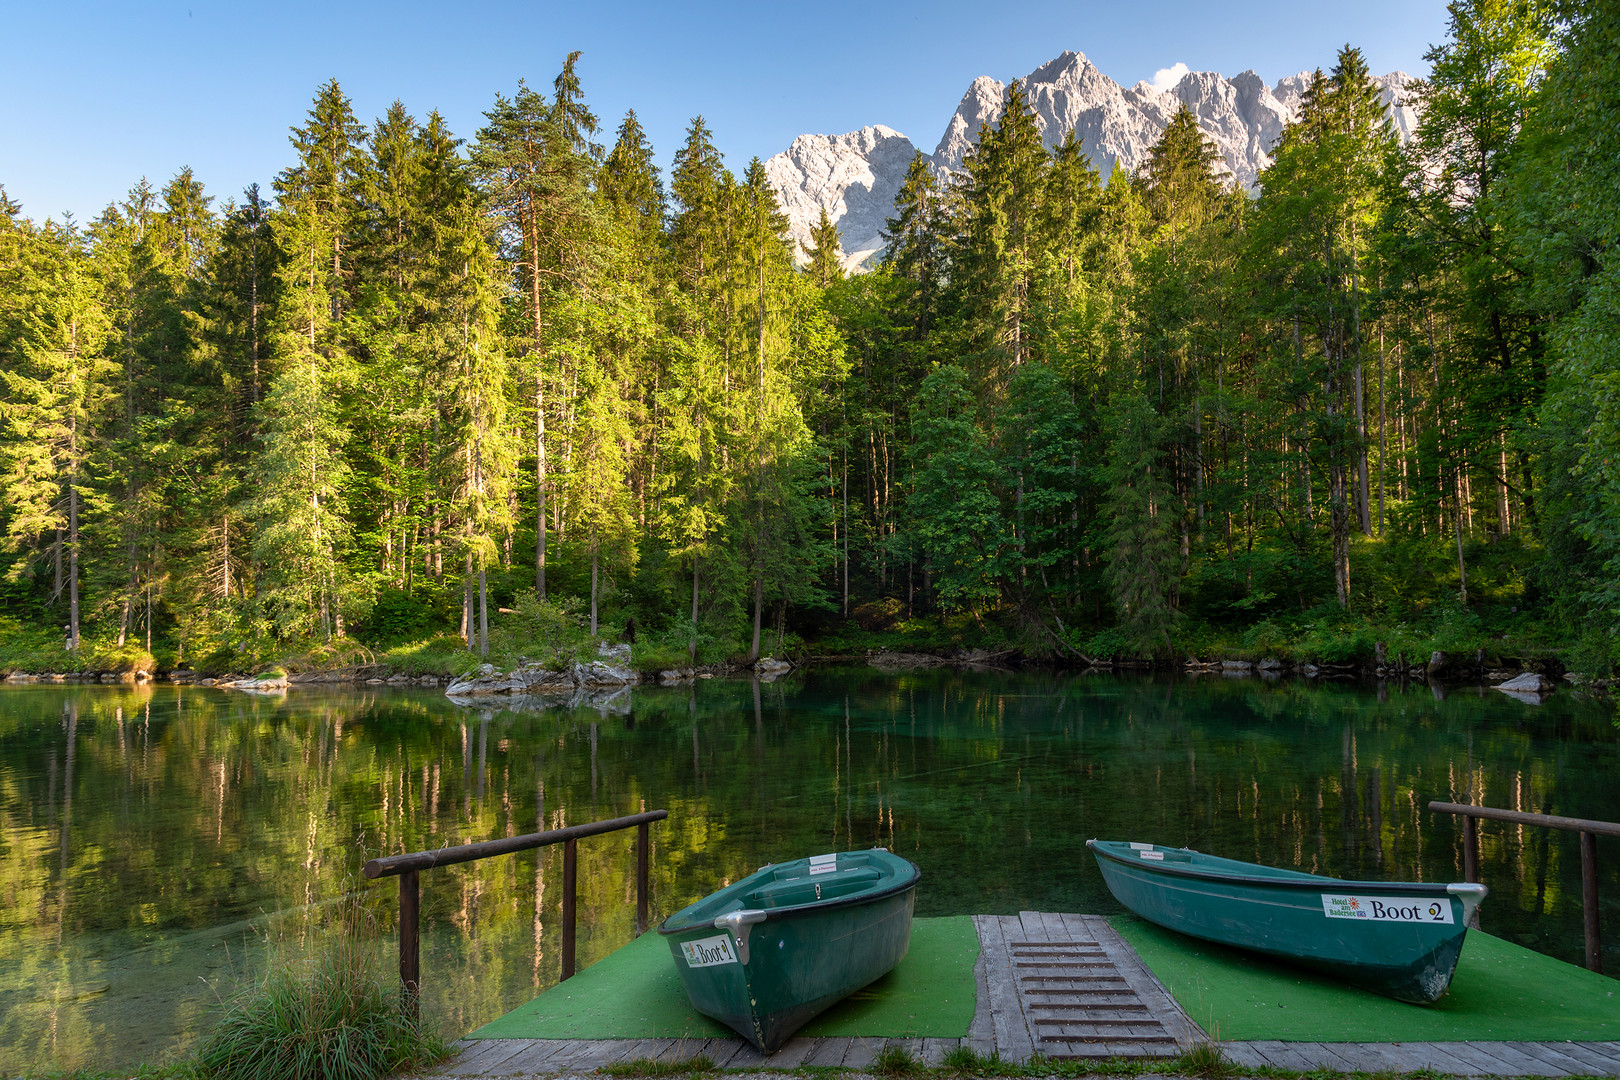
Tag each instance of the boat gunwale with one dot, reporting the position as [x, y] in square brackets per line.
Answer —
[1303, 883]
[791, 910]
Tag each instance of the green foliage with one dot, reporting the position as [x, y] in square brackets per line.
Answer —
[1130, 418]
[442, 655]
[894, 1060]
[953, 508]
[965, 1061]
[1206, 1060]
[399, 616]
[1144, 560]
[335, 1015]
[551, 631]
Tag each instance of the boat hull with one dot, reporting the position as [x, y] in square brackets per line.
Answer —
[1399, 939]
[766, 979]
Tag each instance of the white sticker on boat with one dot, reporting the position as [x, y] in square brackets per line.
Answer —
[823, 864]
[1387, 908]
[1157, 856]
[709, 952]
[1140, 847]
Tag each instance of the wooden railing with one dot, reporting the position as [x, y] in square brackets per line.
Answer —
[1589, 832]
[408, 867]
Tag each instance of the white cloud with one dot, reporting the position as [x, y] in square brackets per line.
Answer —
[1165, 78]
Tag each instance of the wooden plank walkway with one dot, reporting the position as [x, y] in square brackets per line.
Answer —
[1061, 986]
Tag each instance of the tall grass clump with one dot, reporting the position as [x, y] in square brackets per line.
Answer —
[329, 1011]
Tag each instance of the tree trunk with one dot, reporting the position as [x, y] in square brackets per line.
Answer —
[1363, 496]
[483, 613]
[1340, 512]
[539, 483]
[759, 607]
[1383, 431]
[469, 632]
[595, 555]
[845, 486]
[691, 645]
[1504, 523]
[73, 536]
[1462, 567]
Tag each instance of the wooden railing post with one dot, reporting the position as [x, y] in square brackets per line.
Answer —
[1589, 831]
[641, 878]
[1470, 848]
[1589, 902]
[1471, 859]
[570, 880]
[410, 939]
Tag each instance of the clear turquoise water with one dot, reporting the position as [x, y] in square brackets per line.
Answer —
[157, 843]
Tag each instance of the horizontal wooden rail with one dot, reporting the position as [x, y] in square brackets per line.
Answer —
[1519, 817]
[1589, 832]
[408, 868]
[427, 860]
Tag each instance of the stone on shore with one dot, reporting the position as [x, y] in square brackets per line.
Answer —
[611, 668]
[1527, 683]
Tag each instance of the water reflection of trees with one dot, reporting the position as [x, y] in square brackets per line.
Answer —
[131, 817]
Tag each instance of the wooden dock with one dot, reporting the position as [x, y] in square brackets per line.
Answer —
[1062, 987]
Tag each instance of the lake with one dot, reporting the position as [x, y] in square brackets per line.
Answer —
[157, 844]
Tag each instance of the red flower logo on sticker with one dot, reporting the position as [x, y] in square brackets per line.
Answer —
[1354, 903]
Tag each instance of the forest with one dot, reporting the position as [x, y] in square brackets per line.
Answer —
[429, 397]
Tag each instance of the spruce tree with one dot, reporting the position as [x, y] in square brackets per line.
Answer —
[915, 244]
[1001, 240]
[55, 407]
[825, 252]
[301, 477]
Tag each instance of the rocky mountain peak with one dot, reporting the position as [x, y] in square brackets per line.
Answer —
[856, 176]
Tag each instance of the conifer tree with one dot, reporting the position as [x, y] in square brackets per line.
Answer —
[536, 162]
[229, 334]
[825, 252]
[633, 191]
[1315, 231]
[55, 404]
[1000, 245]
[301, 476]
[696, 483]
[955, 515]
[915, 238]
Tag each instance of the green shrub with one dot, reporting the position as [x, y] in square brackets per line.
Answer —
[400, 616]
[446, 654]
[966, 1061]
[333, 1014]
[1108, 643]
[659, 652]
[1205, 1060]
[894, 1060]
[551, 631]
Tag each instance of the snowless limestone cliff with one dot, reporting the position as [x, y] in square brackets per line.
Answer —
[856, 176]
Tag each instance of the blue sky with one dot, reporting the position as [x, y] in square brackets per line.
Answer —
[93, 96]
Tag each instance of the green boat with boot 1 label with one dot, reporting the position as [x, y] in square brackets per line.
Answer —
[1400, 938]
[793, 938]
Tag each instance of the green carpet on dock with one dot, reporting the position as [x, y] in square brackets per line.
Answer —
[1501, 992]
[635, 993]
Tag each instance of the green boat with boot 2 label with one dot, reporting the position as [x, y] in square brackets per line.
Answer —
[768, 953]
[1400, 939]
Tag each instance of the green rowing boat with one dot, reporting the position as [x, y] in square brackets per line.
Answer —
[768, 953]
[1400, 939]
